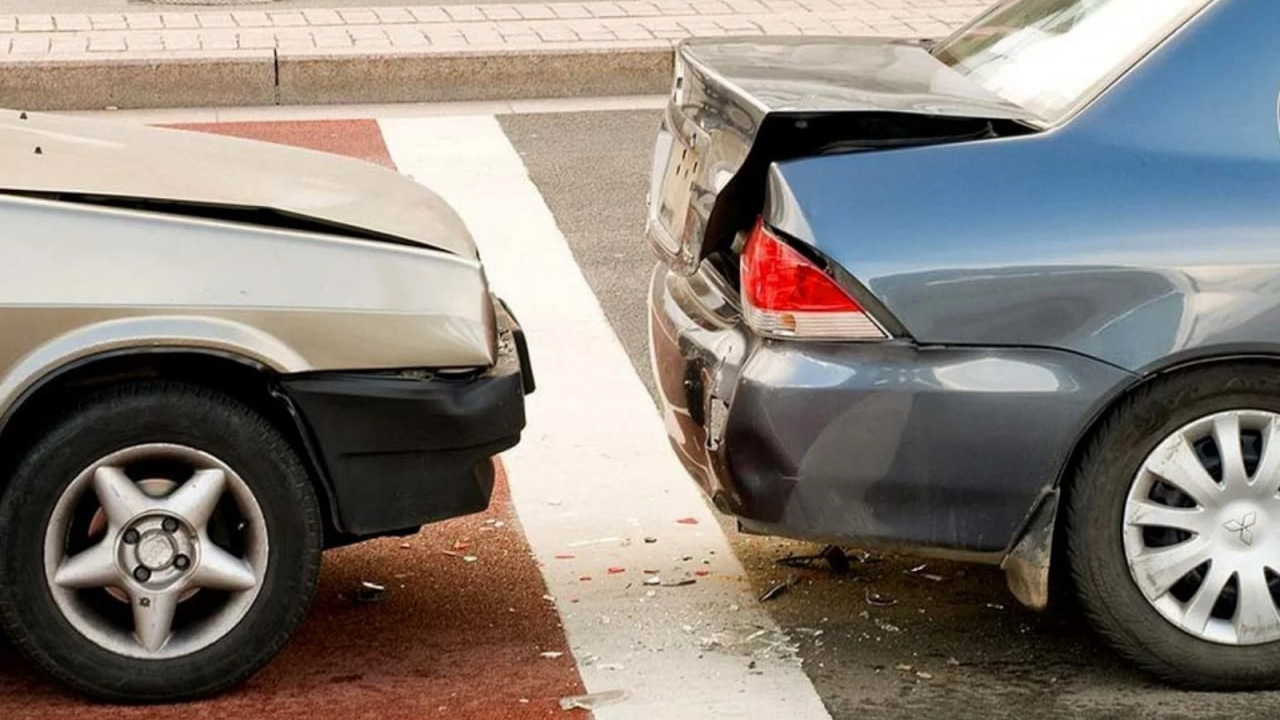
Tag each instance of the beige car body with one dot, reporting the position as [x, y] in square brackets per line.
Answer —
[364, 270]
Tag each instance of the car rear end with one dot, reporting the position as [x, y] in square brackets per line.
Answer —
[790, 392]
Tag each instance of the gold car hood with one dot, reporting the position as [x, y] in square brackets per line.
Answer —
[50, 154]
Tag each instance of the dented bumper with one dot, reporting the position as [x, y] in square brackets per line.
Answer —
[944, 448]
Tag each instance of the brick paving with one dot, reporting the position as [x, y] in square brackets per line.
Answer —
[456, 29]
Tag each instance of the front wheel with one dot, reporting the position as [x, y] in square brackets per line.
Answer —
[160, 543]
[1173, 528]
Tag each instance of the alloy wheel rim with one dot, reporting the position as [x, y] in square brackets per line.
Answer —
[1200, 528]
[130, 556]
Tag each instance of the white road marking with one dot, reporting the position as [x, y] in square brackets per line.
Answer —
[594, 475]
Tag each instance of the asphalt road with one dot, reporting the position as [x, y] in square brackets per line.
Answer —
[951, 642]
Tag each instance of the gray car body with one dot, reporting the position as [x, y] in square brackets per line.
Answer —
[1031, 280]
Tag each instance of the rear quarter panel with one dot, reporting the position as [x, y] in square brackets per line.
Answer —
[1143, 231]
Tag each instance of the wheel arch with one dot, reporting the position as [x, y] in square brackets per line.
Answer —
[1037, 550]
[246, 379]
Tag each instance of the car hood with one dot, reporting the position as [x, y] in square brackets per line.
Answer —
[179, 171]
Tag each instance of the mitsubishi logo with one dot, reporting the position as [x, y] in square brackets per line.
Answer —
[1242, 526]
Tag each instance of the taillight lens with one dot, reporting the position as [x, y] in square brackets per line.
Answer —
[785, 294]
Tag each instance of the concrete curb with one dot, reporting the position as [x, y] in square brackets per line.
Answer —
[289, 77]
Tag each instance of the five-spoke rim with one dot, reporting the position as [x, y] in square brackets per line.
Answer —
[1200, 532]
[173, 532]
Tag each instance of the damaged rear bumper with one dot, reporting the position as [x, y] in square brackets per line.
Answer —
[946, 449]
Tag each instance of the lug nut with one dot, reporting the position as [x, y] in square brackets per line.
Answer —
[182, 562]
[141, 574]
[170, 525]
[131, 536]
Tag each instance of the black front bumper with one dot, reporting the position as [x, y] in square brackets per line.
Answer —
[402, 449]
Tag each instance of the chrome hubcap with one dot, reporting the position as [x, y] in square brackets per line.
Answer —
[150, 542]
[1200, 528]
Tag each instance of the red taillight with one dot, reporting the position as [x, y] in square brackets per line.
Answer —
[786, 294]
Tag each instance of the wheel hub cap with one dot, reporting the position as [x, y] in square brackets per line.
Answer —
[150, 546]
[1198, 521]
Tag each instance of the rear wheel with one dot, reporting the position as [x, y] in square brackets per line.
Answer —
[1173, 528]
[160, 543]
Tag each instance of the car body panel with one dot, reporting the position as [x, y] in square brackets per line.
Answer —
[1142, 233]
[736, 100]
[936, 448]
[64, 155]
[80, 280]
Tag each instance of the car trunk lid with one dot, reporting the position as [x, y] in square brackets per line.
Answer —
[739, 105]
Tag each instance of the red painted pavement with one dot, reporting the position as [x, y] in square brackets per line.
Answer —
[451, 639]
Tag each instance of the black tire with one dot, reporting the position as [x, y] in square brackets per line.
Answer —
[1094, 523]
[158, 412]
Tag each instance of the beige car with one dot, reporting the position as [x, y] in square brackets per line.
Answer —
[220, 357]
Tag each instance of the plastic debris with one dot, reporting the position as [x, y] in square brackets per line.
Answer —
[616, 570]
[688, 521]
[564, 556]
[550, 654]
[919, 571]
[469, 558]
[875, 598]
[370, 592]
[924, 675]
[649, 572]
[653, 580]
[702, 573]
[778, 589]
[905, 668]
[651, 540]
[585, 578]
[460, 546]
[592, 701]
[835, 557]
[405, 546]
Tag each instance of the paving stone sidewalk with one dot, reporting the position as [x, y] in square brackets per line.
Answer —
[455, 28]
[213, 58]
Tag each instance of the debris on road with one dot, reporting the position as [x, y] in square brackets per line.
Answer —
[565, 556]
[592, 701]
[887, 626]
[469, 558]
[651, 540]
[905, 668]
[679, 583]
[370, 592]
[994, 606]
[551, 654]
[702, 573]
[919, 571]
[406, 546]
[688, 521]
[875, 598]
[924, 675]
[616, 570]
[778, 589]
[652, 580]
[835, 558]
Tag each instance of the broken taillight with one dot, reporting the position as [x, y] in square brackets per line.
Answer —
[787, 295]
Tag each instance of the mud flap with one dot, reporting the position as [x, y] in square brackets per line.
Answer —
[1026, 567]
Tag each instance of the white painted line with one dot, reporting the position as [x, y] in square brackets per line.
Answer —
[595, 476]
[294, 113]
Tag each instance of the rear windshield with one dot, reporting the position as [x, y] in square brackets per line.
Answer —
[1052, 56]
